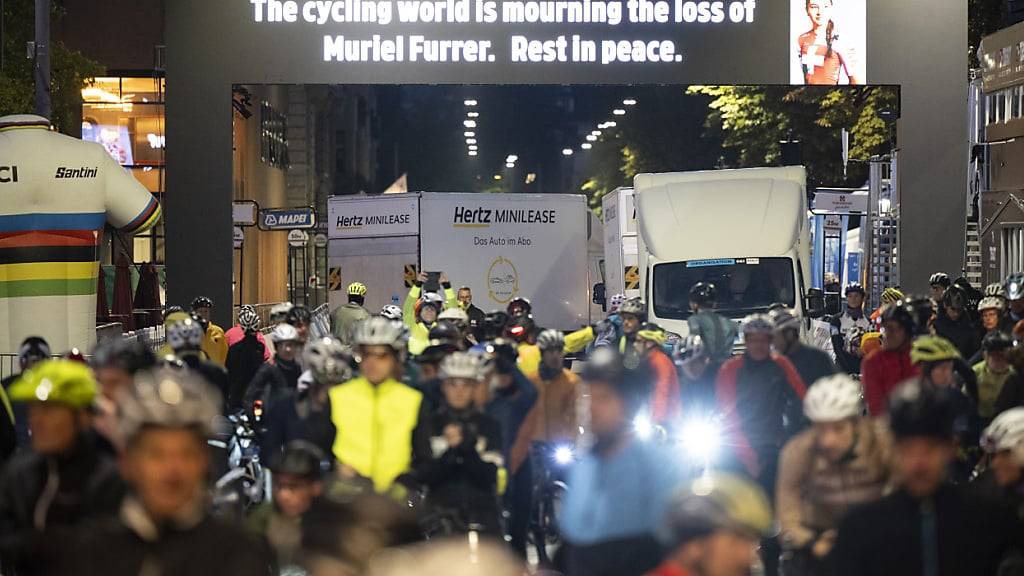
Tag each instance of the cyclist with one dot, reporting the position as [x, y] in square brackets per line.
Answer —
[234, 334]
[926, 526]
[885, 369]
[658, 374]
[300, 318]
[164, 526]
[274, 381]
[993, 372]
[476, 315]
[890, 296]
[812, 364]
[696, 376]
[619, 489]
[716, 331]
[422, 308]
[605, 333]
[954, 324]
[1015, 296]
[1003, 478]
[842, 461]
[115, 363]
[49, 490]
[215, 344]
[467, 470]
[392, 312]
[522, 330]
[245, 356]
[383, 431]
[939, 283]
[185, 339]
[713, 526]
[458, 318]
[298, 482]
[347, 316]
[32, 351]
[305, 412]
[519, 307]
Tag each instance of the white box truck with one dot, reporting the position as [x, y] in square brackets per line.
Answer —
[744, 230]
[622, 264]
[502, 246]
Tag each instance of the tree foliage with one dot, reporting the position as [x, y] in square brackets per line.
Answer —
[70, 69]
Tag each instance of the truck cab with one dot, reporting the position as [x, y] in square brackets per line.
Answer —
[743, 230]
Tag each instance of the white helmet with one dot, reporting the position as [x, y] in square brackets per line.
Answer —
[166, 398]
[1006, 432]
[456, 315]
[461, 365]
[616, 302]
[248, 319]
[185, 334]
[379, 331]
[391, 312]
[785, 319]
[833, 398]
[758, 324]
[551, 340]
[990, 303]
[284, 333]
[279, 311]
[328, 359]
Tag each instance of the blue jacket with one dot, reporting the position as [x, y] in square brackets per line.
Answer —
[510, 407]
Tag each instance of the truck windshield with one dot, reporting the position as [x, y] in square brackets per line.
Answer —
[744, 285]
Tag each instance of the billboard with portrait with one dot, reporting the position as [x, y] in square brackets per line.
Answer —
[829, 42]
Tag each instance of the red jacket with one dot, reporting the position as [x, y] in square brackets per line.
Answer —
[668, 569]
[665, 403]
[881, 372]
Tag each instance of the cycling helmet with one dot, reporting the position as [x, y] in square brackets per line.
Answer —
[955, 298]
[300, 458]
[328, 359]
[996, 289]
[716, 501]
[278, 312]
[891, 295]
[939, 279]
[298, 315]
[854, 287]
[204, 324]
[172, 309]
[634, 306]
[128, 355]
[921, 310]
[502, 353]
[995, 341]
[703, 293]
[165, 398]
[60, 381]
[357, 289]
[456, 316]
[652, 333]
[758, 324]
[690, 347]
[379, 331]
[918, 409]
[248, 319]
[1006, 432]
[463, 365]
[434, 353]
[391, 312]
[551, 340]
[494, 325]
[284, 332]
[32, 349]
[604, 365]
[992, 303]
[429, 299]
[785, 319]
[185, 335]
[445, 331]
[1015, 286]
[521, 327]
[833, 398]
[202, 302]
[519, 306]
[932, 349]
[615, 302]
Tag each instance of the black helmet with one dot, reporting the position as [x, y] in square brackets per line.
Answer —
[173, 308]
[434, 353]
[921, 309]
[34, 348]
[995, 341]
[519, 306]
[901, 315]
[445, 332]
[128, 355]
[520, 328]
[955, 298]
[918, 409]
[300, 458]
[299, 314]
[939, 279]
[703, 293]
[855, 287]
[202, 302]
[203, 322]
[604, 365]
[502, 354]
[494, 325]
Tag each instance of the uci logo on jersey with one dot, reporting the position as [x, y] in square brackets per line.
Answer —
[8, 174]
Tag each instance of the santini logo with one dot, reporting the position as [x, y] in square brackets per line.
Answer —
[83, 172]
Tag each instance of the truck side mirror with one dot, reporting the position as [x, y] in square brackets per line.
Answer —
[814, 303]
[600, 298]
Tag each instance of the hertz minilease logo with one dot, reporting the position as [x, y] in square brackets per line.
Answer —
[481, 217]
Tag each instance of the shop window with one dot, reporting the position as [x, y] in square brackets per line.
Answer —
[273, 136]
[1015, 94]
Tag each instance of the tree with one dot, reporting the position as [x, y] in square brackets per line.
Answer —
[983, 18]
[70, 69]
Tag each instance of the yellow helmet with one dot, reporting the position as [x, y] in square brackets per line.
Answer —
[652, 333]
[61, 381]
[717, 501]
[932, 349]
[891, 295]
[357, 289]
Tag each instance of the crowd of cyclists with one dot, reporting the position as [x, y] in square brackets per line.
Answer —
[436, 438]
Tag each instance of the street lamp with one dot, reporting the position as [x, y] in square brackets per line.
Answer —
[469, 123]
[472, 152]
[586, 145]
[470, 140]
[470, 102]
[469, 134]
[591, 138]
[619, 112]
[512, 158]
[472, 114]
[566, 151]
[629, 102]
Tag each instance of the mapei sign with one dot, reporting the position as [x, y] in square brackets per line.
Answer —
[287, 218]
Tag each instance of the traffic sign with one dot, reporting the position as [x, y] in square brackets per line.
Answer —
[298, 238]
[320, 240]
[238, 236]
